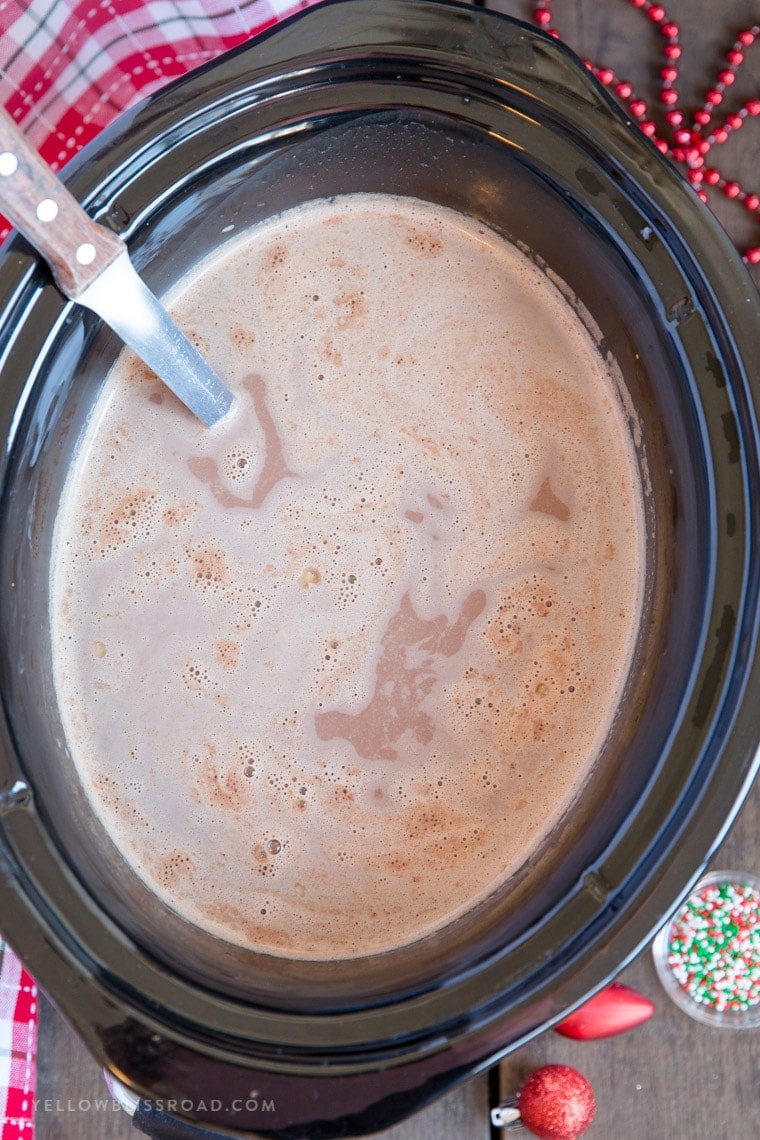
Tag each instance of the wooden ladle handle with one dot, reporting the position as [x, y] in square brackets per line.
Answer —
[39, 205]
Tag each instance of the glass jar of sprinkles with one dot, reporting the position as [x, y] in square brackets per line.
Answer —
[708, 954]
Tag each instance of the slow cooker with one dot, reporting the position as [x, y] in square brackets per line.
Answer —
[479, 113]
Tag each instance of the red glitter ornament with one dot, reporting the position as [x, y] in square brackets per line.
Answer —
[556, 1103]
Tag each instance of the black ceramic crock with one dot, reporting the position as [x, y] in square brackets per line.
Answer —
[480, 113]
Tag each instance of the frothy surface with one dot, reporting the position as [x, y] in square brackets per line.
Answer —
[331, 670]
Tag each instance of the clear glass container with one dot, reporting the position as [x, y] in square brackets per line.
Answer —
[708, 955]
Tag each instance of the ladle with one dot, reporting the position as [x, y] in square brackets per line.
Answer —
[91, 266]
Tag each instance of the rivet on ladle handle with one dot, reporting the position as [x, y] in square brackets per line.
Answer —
[37, 203]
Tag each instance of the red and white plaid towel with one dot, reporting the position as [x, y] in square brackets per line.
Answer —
[18, 1048]
[67, 69]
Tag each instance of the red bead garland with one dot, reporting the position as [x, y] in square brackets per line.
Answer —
[689, 146]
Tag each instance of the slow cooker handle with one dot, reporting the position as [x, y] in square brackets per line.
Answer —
[162, 1126]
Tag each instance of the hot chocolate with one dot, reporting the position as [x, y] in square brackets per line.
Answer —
[332, 669]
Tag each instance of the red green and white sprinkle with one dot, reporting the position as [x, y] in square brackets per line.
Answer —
[714, 946]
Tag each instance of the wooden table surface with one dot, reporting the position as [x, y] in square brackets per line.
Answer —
[672, 1078]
